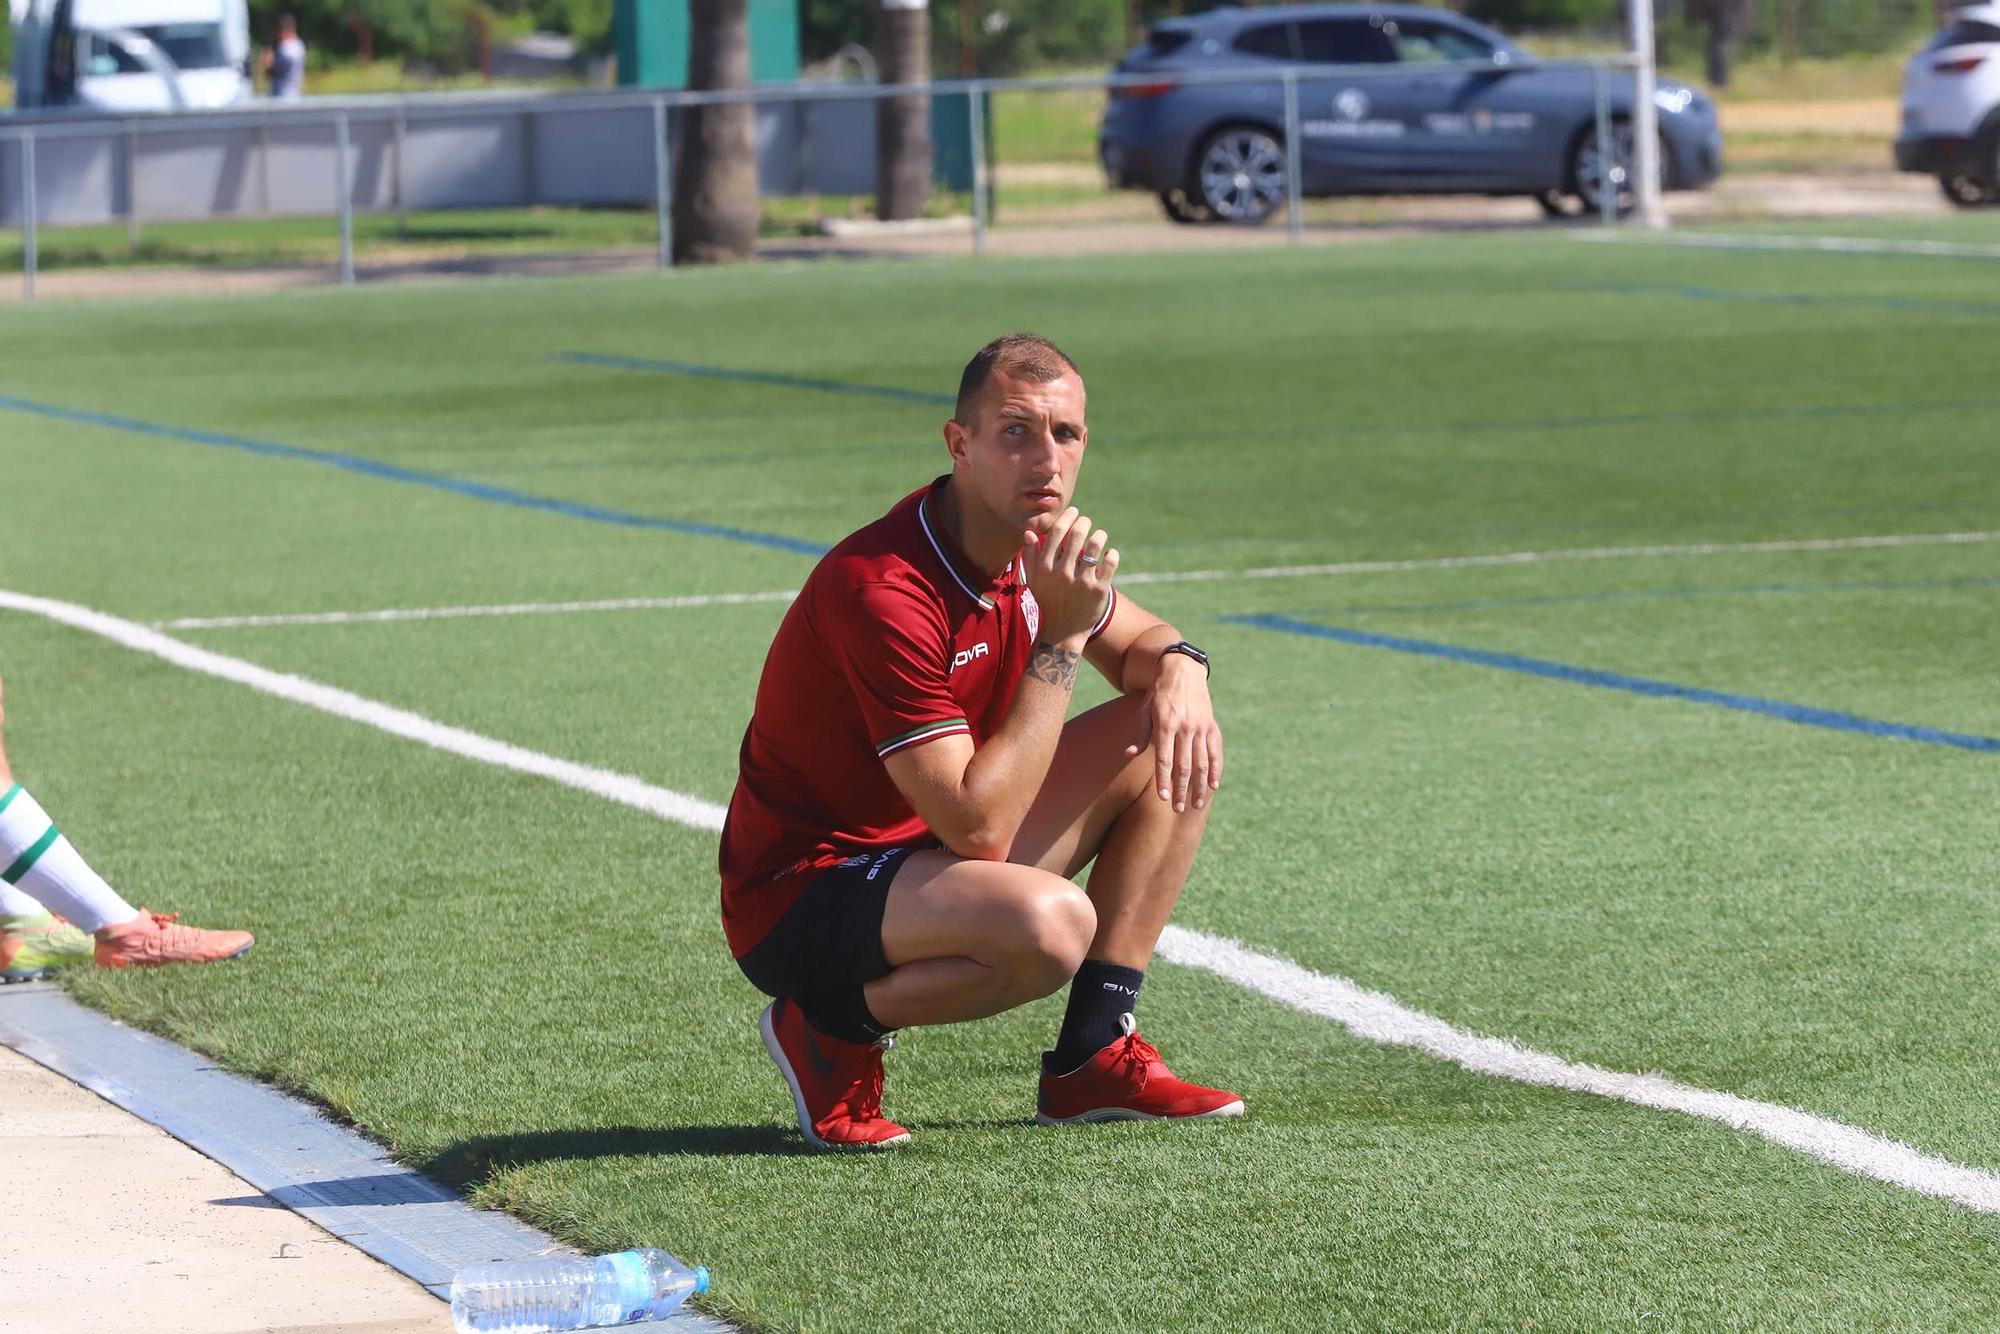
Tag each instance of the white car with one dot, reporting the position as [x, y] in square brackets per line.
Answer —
[131, 55]
[1951, 108]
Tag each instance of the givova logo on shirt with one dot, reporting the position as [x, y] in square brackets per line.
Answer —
[966, 655]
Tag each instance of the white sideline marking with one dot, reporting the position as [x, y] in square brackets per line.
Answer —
[1379, 1018]
[1847, 245]
[497, 609]
[1370, 1015]
[1158, 577]
[1566, 554]
[605, 783]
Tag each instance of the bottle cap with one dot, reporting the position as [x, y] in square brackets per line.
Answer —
[700, 1279]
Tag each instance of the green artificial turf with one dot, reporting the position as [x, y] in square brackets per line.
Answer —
[524, 989]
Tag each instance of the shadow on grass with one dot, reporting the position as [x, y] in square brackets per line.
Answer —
[473, 1160]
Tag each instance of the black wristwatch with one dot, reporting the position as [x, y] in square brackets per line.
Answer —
[1191, 651]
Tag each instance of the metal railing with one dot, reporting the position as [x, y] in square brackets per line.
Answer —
[338, 118]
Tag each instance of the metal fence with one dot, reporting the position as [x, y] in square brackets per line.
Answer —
[339, 158]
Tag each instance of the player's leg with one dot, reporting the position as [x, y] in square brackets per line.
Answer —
[39, 862]
[1099, 805]
[893, 940]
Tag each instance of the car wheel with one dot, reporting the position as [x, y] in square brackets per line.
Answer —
[1183, 209]
[1240, 174]
[1592, 171]
[1558, 204]
[1965, 192]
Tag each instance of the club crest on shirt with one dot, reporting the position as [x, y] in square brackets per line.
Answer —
[1032, 610]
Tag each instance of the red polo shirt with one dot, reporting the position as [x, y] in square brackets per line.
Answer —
[895, 640]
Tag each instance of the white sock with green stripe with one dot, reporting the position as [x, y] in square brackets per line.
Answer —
[36, 859]
[13, 903]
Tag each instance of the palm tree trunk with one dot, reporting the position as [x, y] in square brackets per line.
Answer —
[903, 124]
[715, 175]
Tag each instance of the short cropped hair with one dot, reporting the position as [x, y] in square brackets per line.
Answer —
[1027, 355]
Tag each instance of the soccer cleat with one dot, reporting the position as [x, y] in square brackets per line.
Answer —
[1126, 1081]
[32, 947]
[152, 939]
[836, 1086]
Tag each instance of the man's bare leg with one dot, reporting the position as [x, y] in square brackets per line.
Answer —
[1099, 803]
[967, 939]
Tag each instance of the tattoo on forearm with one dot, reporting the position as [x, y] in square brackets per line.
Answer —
[1054, 665]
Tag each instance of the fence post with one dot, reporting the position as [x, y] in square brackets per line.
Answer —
[264, 163]
[1607, 184]
[346, 189]
[663, 200]
[400, 180]
[131, 187]
[1295, 213]
[1645, 121]
[29, 248]
[975, 123]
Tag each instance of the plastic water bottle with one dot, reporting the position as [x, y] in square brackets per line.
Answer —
[535, 1296]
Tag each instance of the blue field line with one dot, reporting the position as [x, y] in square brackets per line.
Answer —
[1801, 714]
[389, 472]
[776, 379]
[1688, 292]
[1649, 594]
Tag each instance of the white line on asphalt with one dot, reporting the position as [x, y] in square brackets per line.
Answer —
[1504, 558]
[495, 609]
[1846, 245]
[1370, 1015]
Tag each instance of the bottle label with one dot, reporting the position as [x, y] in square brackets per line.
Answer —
[635, 1283]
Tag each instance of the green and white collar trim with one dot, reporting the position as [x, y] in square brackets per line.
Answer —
[945, 558]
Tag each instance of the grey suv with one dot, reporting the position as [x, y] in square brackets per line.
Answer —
[1393, 99]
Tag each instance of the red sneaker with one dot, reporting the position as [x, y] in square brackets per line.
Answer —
[836, 1086]
[1126, 1081]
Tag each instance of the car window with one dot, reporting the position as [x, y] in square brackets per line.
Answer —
[1419, 41]
[1268, 39]
[1965, 32]
[1345, 42]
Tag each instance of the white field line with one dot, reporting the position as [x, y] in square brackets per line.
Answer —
[496, 609]
[1567, 554]
[399, 722]
[1503, 558]
[1847, 245]
[1370, 1015]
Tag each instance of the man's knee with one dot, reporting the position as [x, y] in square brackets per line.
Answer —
[1054, 928]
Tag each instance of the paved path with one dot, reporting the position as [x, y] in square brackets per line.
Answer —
[110, 1225]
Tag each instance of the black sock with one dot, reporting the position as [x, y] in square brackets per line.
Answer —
[1098, 994]
[843, 1015]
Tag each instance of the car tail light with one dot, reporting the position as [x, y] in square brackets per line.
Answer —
[1145, 90]
[1962, 65]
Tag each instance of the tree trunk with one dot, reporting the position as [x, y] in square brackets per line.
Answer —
[903, 124]
[715, 173]
[1726, 21]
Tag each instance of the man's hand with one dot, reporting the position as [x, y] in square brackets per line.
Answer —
[1179, 722]
[1069, 572]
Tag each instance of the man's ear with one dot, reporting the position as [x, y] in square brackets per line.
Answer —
[955, 439]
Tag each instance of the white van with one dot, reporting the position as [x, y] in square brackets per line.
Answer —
[131, 55]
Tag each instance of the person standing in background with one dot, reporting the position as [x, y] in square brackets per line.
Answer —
[285, 63]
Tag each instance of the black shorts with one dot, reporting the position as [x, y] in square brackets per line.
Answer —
[831, 939]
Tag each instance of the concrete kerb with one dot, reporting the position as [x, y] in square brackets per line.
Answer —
[329, 1175]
